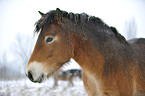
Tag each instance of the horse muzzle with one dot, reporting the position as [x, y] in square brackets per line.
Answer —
[35, 72]
[39, 80]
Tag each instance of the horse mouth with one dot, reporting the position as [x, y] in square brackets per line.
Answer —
[40, 79]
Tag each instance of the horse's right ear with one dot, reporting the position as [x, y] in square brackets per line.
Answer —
[42, 14]
[58, 15]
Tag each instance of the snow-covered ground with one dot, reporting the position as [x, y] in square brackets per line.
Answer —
[25, 87]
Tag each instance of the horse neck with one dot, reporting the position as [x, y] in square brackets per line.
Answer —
[91, 50]
[85, 54]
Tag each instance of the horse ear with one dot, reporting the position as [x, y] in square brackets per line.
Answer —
[58, 10]
[42, 14]
[58, 15]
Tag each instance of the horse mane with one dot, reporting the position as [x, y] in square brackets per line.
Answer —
[120, 37]
[52, 17]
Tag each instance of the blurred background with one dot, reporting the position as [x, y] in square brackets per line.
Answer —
[17, 38]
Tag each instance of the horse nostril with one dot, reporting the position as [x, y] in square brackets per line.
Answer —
[30, 76]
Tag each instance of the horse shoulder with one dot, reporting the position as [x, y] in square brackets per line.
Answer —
[92, 85]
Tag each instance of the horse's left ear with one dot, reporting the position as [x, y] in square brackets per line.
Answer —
[59, 15]
[42, 14]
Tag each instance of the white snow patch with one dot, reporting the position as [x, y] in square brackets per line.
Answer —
[25, 87]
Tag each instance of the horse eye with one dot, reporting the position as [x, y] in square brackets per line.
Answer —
[48, 39]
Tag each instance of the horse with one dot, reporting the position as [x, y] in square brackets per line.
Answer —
[110, 64]
[67, 75]
[138, 45]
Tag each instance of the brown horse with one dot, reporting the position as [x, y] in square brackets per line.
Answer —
[138, 45]
[111, 66]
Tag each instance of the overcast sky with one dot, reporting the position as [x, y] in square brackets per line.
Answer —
[19, 16]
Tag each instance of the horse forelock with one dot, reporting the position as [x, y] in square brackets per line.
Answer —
[45, 20]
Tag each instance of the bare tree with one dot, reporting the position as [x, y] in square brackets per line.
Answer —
[130, 28]
[3, 67]
[21, 50]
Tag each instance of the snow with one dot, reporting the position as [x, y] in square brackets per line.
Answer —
[25, 87]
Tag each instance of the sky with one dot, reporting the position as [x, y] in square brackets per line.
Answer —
[19, 16]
